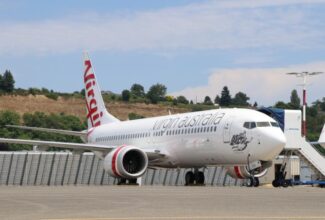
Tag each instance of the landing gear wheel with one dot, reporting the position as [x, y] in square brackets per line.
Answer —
[275, 183]
[133, 181]
[256, 182]
[200, 178]
[285, 184]
[251, 182]
[189, 178]
[121, 182]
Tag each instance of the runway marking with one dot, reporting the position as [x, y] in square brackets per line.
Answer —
[192, 217]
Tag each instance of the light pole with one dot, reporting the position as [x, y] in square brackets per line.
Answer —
[304, 75]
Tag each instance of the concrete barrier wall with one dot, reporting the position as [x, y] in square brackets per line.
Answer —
[62, 168]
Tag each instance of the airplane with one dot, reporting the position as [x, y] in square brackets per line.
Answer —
[244, 140]
[321, 140]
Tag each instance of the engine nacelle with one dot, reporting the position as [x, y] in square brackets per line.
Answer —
[126, 162]
[241, 172]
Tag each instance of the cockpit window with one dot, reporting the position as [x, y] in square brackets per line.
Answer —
[249, 125]
[263, 124]
[275, 124]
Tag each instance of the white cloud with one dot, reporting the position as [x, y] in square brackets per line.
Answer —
[264, 85]
[209, 25]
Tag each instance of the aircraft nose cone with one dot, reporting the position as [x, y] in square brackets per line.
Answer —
[278, 139]
[275, 142]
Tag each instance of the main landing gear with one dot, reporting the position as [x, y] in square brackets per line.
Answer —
[253, 182]
[194, 178]
[123, 181]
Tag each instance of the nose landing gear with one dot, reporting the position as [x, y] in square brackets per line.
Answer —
[252, 181]
[194, 178]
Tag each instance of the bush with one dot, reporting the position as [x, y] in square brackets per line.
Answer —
[53, 96]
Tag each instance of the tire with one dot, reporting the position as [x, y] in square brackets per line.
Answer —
[285, 184]
[121, 182]
[200, 178]
[250, 182]
[256, 182]
[275, 183]
[133, 181]
[189, 178]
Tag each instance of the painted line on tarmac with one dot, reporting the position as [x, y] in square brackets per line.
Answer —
[194, 217]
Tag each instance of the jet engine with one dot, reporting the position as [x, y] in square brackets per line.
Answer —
[127, 162]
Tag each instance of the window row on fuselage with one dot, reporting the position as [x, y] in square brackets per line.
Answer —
[186, 131]
[123, 137]
[157, 134]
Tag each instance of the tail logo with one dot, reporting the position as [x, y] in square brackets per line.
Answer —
[89, 79]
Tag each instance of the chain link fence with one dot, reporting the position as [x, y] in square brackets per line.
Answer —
[63, 168]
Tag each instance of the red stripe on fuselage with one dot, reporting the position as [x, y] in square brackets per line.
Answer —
[237, 171]
[114, 161]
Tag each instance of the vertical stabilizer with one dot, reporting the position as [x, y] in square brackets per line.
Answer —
[96, 111]
[322, 136]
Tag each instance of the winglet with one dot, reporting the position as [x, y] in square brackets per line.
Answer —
[96, 111]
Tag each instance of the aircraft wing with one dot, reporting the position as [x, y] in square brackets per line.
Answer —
[76, 146]
[82, 134]
[151, 153]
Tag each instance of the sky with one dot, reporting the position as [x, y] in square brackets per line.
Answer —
[195, 48]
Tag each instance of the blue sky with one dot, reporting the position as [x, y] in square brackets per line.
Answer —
[193, 47]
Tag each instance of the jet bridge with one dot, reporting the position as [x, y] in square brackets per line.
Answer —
[290, 123]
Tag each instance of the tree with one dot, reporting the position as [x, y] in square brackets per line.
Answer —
[207, 100]
[126, 95]
[240, 99]
[7, 82]
[1, 82]
[182, 99]
[83, 92]
[217, 99]
[157, 93]
[225, 99]
[137, 90]
[9, 118]
[294, 100]
[281, 104]
[322, 104]
[255, 105]
[169, 98]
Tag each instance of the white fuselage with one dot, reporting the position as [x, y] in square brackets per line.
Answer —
[214, 137]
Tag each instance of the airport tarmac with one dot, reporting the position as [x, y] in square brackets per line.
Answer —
[157, 202]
